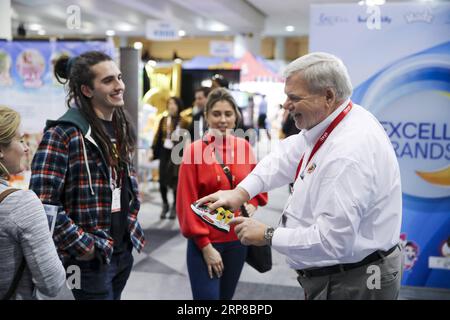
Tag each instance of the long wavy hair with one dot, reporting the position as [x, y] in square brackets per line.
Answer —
[77, 71]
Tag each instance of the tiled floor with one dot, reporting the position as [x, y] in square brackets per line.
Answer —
[160, 272]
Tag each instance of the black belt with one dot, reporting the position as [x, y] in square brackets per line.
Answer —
[325, 271]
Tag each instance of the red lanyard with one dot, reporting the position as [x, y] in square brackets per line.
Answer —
[324, 137]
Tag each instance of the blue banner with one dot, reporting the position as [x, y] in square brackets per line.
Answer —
[27, 83]
[398, 56]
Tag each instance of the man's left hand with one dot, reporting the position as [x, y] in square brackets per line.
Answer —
[249, 231]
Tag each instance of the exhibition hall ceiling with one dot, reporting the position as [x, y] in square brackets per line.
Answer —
[194, 17]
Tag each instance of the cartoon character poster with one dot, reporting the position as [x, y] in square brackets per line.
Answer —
[410, 252]
[30, 66]
[27, 83]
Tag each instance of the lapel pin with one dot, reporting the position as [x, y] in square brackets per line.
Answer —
[311, 168]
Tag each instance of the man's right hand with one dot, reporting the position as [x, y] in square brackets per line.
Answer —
[230, 199]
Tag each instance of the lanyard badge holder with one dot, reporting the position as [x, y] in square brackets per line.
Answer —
[316, 147]
[116, 192]
[168, 144]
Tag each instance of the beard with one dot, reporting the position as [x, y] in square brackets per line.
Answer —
[114, 104]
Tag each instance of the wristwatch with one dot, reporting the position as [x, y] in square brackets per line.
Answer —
[268, 235]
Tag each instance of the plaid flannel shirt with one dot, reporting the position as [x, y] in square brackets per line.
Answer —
[60, 177]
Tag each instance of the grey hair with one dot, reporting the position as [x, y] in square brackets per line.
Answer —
[322, 70]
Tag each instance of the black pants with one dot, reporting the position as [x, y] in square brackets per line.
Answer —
[168, 175]
[163, 190]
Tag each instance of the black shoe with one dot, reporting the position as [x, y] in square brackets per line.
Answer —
[173, 212]
[165, 209]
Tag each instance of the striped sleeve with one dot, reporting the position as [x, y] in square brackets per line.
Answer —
[49, 169]
[36, 241]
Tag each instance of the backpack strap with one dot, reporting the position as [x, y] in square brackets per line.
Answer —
[6, 193]
[19, 273]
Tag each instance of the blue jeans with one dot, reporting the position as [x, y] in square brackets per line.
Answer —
[203, 287]
[101, 281]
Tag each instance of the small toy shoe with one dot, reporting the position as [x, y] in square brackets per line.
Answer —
[218, 219]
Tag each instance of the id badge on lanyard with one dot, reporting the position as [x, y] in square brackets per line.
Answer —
[116, 191]
[168, 144]
[283, 217]
[301, 169]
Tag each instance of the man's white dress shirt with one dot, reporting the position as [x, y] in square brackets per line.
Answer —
[349, 202]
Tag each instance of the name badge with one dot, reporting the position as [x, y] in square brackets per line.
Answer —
[283, 217]
[115, 206]
[168, 144]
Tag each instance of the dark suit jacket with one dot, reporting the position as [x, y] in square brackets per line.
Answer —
[196, 118]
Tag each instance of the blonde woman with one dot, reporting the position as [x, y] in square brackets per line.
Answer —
[25, 239]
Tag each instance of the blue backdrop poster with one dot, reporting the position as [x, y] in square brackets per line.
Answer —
[27, 83]
[398, 56]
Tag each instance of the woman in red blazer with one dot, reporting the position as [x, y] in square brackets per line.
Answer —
[214, 258]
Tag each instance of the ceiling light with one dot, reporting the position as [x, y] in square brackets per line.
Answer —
[34, 27]
[138, 45]
[375, 2]
[125, 27]
[181, 33]
[217, 27]
[290, 28]
[110, 33]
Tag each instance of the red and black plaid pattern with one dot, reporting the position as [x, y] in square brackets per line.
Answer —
[59, 177]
